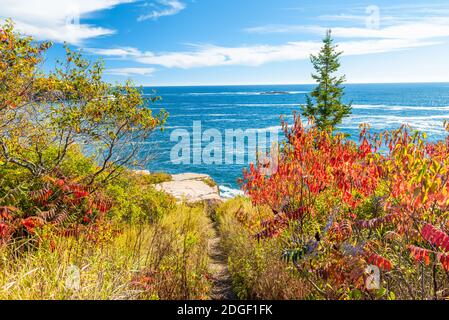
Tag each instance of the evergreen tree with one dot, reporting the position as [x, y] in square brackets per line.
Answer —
[328, 110]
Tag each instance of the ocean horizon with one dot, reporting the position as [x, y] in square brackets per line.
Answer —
[424, 106]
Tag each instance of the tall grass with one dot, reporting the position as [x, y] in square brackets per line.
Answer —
[164, 260]
[256, 267]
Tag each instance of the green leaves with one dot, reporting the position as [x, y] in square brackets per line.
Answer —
[69, 105]
[328, 110]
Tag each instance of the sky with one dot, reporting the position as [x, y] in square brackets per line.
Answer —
[234, 42]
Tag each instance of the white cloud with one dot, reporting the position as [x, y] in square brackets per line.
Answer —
[166, 8]
[57, 20]
[436, 28]
[122, 52]
[130, 71]
[425, 29]
[402, 34]
[284, 29]
[210, 55]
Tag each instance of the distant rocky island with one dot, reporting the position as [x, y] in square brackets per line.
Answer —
[275, 92]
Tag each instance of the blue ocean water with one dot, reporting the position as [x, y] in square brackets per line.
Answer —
[385, 106]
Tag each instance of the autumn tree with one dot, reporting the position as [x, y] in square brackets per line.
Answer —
[45, 115]
[325, 104]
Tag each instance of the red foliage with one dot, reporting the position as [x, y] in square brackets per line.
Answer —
[312, 162]
[31, 223]
[273, 227]
[420, 254]
[355, 197]
[436, 237]
[60, 203]
[381, 262]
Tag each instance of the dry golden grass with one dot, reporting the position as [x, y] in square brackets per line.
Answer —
[256, 267]
[164, 260]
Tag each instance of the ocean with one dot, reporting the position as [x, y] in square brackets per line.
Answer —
[385, 106]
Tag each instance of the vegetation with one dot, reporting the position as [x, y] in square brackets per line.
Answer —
[75, 222]
[256, 268]
[164, 260]
[338, 207]
[328, 110]
[340, 219]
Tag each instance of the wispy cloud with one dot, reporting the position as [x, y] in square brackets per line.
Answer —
[130, 71]
[57, 20]
[400, 34]
[273, 28]
[122, 52]
[425, 29]
[212, 56]
[165, 8]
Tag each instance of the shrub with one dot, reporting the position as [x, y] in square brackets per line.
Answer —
[167, 260]
[256, 268]
[135, 199]
[43, 115]
[341, 206]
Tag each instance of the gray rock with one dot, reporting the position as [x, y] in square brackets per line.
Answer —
[190, 187]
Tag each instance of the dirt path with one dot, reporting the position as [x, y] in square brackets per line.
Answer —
[221, 279]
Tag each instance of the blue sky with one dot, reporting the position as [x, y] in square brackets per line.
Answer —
[213, 42]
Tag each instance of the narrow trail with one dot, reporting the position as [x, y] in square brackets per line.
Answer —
[221, 278]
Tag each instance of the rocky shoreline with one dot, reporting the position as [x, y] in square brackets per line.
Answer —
[190, 187]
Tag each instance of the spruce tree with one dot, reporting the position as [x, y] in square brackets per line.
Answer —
[327, 110]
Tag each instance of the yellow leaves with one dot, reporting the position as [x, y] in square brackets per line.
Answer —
[436, 167]
[422, 172]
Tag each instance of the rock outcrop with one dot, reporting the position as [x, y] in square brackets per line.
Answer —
[191, 187]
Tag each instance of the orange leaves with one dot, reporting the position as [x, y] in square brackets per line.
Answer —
[3, 229]
[444, 259]
[31, 223]
[341, 231]
[7, 219]
[6, 213]
[420, 254]
[424, 255]
[312, 162]
[42, 196]
[381, 262]
[378, 195]
[60, 203]
[273, 227]
[435, 236]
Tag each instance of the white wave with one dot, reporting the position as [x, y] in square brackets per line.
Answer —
[429, 124]
[175, 127]
[245, 93]
[228, 193]
[399, 108]
[185, 115]
[266, 129]
[403, 119]
[266, 105]
[228, 120]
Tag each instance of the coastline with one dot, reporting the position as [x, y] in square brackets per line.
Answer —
[193, 187]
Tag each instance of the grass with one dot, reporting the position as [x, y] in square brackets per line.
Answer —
[163, 260]
[157, 177]
[211, 183]
[256, 268]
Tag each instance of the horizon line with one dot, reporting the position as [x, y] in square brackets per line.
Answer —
[283, 84]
